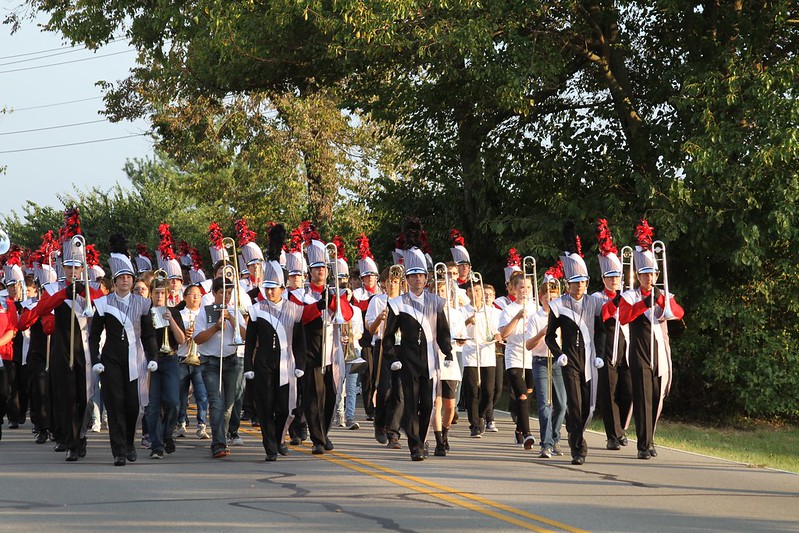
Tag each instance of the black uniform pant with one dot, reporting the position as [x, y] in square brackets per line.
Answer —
[499, 384]
[295, 429]
[615, 396]
[367, 381]
[646, 400]
[479, 398]
[319, 402]
[121, 401]
[272, 403]
[390, 401]
[68, 390]
[5, 387]
[418, 393]
[578, 407]
[18, 393]
[39, 391]
[517, 381]
[248, 404]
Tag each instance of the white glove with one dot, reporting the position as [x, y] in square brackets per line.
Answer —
[298, 372]
[249, 375]
[447, 363]
[563, 360]
[396, 365]
[152, 366]
[98, 368]
[598, 362]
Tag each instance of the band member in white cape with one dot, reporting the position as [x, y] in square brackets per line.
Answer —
[360, 299]
[70, 372]
[274, 353]
[419, 317]
[650, 365]
[125, 319]
[614, 388]
[579, 319]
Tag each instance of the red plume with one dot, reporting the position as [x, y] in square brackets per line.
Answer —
[605, 238]
[165, 247]
[362, 244]
[425, 245]
[643, 234]
[196, 260]
[92, 255]
[339, 242]
[35, 256]
[141, 249]
[71, 225]
[578, 245]
[456, 237]
[309, 232]
[49, 245]
[183, 248]
[556, 271]
[244, 234]
[513, 258]
[399, 242]
[215, 235]
[296, 239]
[14, 255]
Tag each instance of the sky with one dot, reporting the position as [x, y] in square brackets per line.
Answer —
[39, 69]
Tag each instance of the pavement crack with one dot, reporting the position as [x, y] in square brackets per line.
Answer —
[298, 492]
[385, 523]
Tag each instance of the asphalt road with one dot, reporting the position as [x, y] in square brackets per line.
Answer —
[484, 484]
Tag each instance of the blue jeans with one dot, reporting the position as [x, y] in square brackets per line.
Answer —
[351, 387]
[550, 418]
[164, 388]
[235, 415]
[192, 374]
[220, 406]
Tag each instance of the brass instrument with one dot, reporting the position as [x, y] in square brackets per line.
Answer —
[398, 272]
[228, 273]
[442, 267]
[331, 253]
[5, 242]
[79, 242]
[228, 242]
[628, 275]
[192, 357]
[161, 276]
[659, 251]
[476, 276]
[529, 271]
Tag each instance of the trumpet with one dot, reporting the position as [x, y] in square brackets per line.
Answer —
[79, 242]
[192, 357]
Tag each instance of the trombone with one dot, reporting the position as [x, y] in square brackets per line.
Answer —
[79, 242]
[529, 272]
[659, 251]
[627, 275]
[161, 277]
[229, 272]
[436, 278]
[476, 276]
[331, 257]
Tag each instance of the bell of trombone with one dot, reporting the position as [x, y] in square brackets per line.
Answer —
[659, 251]
[332, 258]
[5, 242]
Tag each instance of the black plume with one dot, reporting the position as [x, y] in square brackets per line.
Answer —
[118, 244]
[277, 238]
[569, 237]
[412, 229]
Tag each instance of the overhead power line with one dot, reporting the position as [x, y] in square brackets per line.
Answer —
[71, 144]
[53, 127]
[18, 109]
[65, 62]
[73, 49]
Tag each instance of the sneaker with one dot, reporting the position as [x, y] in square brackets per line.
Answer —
[475, 433]
[545, 453]
[220, 452]
[393, 443]
[157, 454]
[169, 446]
[201, 433]
[95, 427]
[235, 440]
[491, 427]
[341, 421]
[181, 430]
[352, 424]
[529, 442]
[145, 441]
[556, 450]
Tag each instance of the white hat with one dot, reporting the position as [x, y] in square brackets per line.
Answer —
[414, 262]
[317, 254]
[120, 264]
[273, 275]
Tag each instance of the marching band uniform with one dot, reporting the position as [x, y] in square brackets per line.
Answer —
[580, 352]
[650, 365]
[614, 388]
[420, 318]
[16, 368]
[129, 337]
[191, 374]
[360, 299]
[8, 329]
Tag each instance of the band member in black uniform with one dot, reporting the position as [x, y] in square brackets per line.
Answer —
[16, 370]
[578, 317]
[419, 317]
[274, 351]
[125, 319]
[368, 273]
[295, 291]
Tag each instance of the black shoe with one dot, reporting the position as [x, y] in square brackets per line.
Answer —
[120, 460]
[282, 449]
[304, 431]
[417, 456]
[644, 454]
[318, 449]
[440, 450]
[13, 425]
[72, 455]
[393, 444]
[370, 418]
[653, 452]
[380, 436]
[157, 454]
[475, 433]
[295, 441]
[455, 418]
[59, 447]
[42, 437]
[131, 455]
[270, 458]
[328, 445]
[578, 460]
[82, 447]
[623, 440]
[169, 446]
[613, 444]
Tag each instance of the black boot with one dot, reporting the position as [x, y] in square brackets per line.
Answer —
[440, 450]
[445, 436]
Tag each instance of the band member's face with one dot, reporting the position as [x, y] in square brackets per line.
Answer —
[416, 282]
[393, 286]
[141, 288]
[369, 282]
[12, 290]
[453, 272]
[159, 297]
[475, 294]
[463, 270]
[319, 275]
[274, 294]
[647, 280]
[522, 289]
[192, 297]
[577, 289]
[490, 297]
[612, 284]
[175, 284]
[31, 291]
[296, 281]
[255, 271]
[442, 290]
[123, 284]
[72, 272]
[223, 295]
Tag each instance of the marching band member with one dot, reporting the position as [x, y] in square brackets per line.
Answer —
[551, 409]
[650, 364]
[361, 296]
[17, 371]
[129, 336]
[445, 407]
[253, 257]
[614, 388]
[274, 353]
[582, 335]
[463, 264]
[143, 260]
[419, 316]
[189, 374]
[295, 291]
[513, 265]
[168, 262]
[8, 329]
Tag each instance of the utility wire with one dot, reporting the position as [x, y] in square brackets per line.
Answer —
[53, 127]
[71, 144]
[18, 109]
[65, 62]
[26, 54]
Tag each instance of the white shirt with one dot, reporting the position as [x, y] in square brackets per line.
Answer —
[516, 355]
[481, 333]
[212, 346]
